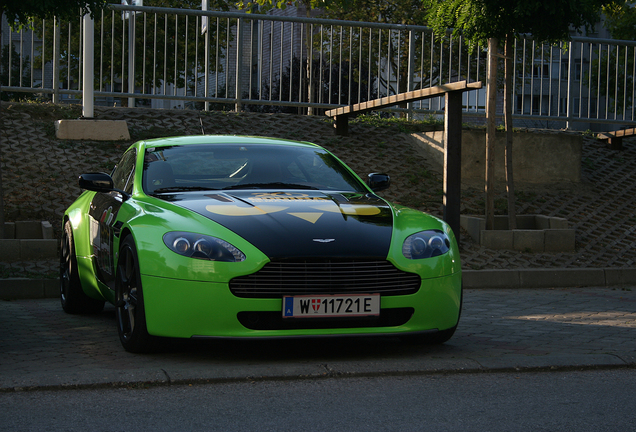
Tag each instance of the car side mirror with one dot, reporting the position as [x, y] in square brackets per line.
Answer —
[99, 182]
[96, 182]
[378, 182]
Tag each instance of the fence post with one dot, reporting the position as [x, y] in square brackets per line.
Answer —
[239, 62]
[207, 65]
[89, 67]
[410, 72]
[56, 61]
[131, 57]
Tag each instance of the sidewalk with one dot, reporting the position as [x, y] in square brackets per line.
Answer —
[500, 330]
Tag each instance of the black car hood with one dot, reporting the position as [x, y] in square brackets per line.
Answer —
[307, 224]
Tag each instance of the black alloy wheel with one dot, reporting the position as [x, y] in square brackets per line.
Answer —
[129, 303]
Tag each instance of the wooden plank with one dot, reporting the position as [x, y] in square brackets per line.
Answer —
[411, 96]
[617, 134]
[625, 132]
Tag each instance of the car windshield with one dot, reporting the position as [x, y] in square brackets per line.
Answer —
[244, 166]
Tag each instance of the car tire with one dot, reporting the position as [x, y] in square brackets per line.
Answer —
[73, 298]
[129, 301]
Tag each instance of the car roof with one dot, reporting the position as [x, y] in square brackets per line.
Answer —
[222, 139]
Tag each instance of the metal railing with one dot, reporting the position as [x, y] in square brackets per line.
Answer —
[178, 58]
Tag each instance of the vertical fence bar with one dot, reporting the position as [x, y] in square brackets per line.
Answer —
[625, 86]
[56, 61]
[101, 52]
[131, 56]
[410, 72]
[616, 84]
[206, 70]
[270, 76]
[239, 63]
[89, 67]
[634, 84]
[216, 58]
[154, 56]
[143, 65]
[32, 55]
[176, 55]
[350, 65]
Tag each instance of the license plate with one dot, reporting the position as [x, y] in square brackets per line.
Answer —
[321, 306]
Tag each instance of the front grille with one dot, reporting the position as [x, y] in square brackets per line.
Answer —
[285, 278]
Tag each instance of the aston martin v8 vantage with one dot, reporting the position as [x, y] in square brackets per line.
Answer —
[244, 237]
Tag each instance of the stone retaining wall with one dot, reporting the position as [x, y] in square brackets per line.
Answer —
[538, 158]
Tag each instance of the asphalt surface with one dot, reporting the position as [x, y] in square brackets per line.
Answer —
[500, 330]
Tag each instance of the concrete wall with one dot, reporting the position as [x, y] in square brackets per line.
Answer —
[538, 157]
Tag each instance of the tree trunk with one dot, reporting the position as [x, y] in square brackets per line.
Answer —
[491, 127]
[510, 186]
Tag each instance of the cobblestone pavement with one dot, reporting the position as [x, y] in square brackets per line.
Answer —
[39, 175]
[41, 346]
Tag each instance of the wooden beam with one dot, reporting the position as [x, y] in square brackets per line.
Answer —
[412, 96]
[453, 161]
[615, 138]
[342, 125]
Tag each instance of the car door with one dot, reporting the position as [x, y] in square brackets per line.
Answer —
[103, 214]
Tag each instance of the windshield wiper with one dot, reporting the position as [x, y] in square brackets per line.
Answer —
[273, 185]
[181, 189]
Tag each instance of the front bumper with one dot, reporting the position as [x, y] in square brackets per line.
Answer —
[185, 309]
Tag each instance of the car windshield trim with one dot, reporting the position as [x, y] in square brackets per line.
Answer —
[181, 189]
[277, 185]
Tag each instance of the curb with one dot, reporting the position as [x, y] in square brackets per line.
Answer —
[549, 278]
[25, 288]
[154, 377]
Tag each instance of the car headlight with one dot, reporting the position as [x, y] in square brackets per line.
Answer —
[426, 244]
[202, 247]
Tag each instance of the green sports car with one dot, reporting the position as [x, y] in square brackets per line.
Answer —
[244, 237]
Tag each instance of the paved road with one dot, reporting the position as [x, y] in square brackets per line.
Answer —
[569, 401]
[41, 346]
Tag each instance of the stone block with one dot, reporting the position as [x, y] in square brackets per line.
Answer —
[47, 230]
[9, 250]
[559, 240]
[541, 222]
[558, 223]
[542, 278]
[9, 230]
[528, 240]
[526, 222]
[496, 239]
[20, 288]
[51, 288]
[38, 249]
[501, 222]
[28, 229]
[620, 276]
[493, 278]
[95, 130]
[474, 225]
